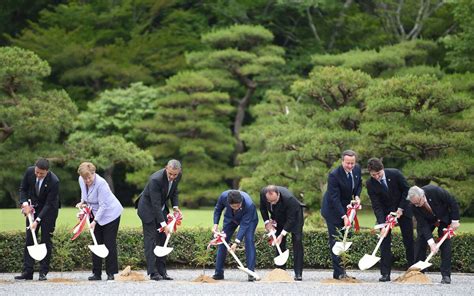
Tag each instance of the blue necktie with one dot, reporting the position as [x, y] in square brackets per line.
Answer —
[384, 184]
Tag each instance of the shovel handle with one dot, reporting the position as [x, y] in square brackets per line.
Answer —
[232, 253]
[33, 232]
[437, 246]
[380, 240]
[277, 245]
[91, 231]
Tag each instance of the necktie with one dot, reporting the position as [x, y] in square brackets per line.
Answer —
[349, 179]
[427, 208]
[384, 184]
[37, 187]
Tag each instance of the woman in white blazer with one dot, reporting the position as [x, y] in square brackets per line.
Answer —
[106, 210]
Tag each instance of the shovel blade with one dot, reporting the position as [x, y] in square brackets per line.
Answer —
[368, 261]
[162, 251]
[420, 265]
[249, 272]
[340, 247]
[37, 252]
[99, 250]
[282, 258]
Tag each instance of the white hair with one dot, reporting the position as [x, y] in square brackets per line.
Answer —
[415, 191]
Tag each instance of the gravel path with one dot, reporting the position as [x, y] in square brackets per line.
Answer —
[234, 284]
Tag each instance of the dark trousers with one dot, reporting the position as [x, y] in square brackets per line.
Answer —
[47, 225]
[250, 251]
[422, 243]
[298, 252]
[406, 227]
[107, 235]
[152, 238]
[334, 231]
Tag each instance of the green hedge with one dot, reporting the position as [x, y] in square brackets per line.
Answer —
[191, 244]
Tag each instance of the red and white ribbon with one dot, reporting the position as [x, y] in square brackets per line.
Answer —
[218, 238]
[448, 231]
[390, 220]
[83, 215]
[170, 217]
[354, 208]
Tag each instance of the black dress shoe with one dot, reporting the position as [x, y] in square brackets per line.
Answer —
[446, 279]
[166, 277]
[384, 278]
[95, 277]
[218, 277]
[155, 277]
[24, 276]
[110, 277]
[42, 277]
[345, 276]
[251, 278]
[298, 277]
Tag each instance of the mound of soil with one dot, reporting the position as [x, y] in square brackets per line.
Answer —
[128, 275]
[61, 280]
[204, 279]
[277, 275]
[413, 277]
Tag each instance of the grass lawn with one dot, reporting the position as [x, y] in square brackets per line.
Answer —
[11, 219]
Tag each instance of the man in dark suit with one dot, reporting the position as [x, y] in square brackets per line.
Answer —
[239, 211]
[287, 211]
[434, 207]
[344, 184]
[41, 186]
[153, 208]
[388, 189]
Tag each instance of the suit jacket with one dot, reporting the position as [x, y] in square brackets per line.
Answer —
[339, 193]
[105, 206]
[155, 196]
[444, 207]
[383, 201]
[246, 216]
[47, 202]
[287, 212]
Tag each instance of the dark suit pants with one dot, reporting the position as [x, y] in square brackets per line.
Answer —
[445, 249]
[298, 251]
[107, 235]
[47, 225]
[334, 231]
[250, 251]
[406, 227]
[153, 238]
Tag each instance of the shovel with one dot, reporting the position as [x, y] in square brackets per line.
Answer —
[241, 266]
[36, 251]
[99, 250]
[161, 251]
[343, 246]
[368, 261]
[283, 257]
[420, 265]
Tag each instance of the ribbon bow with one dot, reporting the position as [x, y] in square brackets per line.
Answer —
[391, 221]
[271, 241]
[449, 231]
[354, 207]
[218, 238]
[83, 215]
[176, 216]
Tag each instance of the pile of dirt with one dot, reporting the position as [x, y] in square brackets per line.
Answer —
[413, 277]
[128, 275]
[342, 281]
[204, 279]
[277, 275]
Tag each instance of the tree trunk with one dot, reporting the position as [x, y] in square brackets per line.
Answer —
[108, 177]
[340, 22]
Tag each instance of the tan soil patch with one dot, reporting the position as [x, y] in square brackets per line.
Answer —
[413, 277]
[61, 280]
[277, 275]
[204, 279]
[343, 281]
